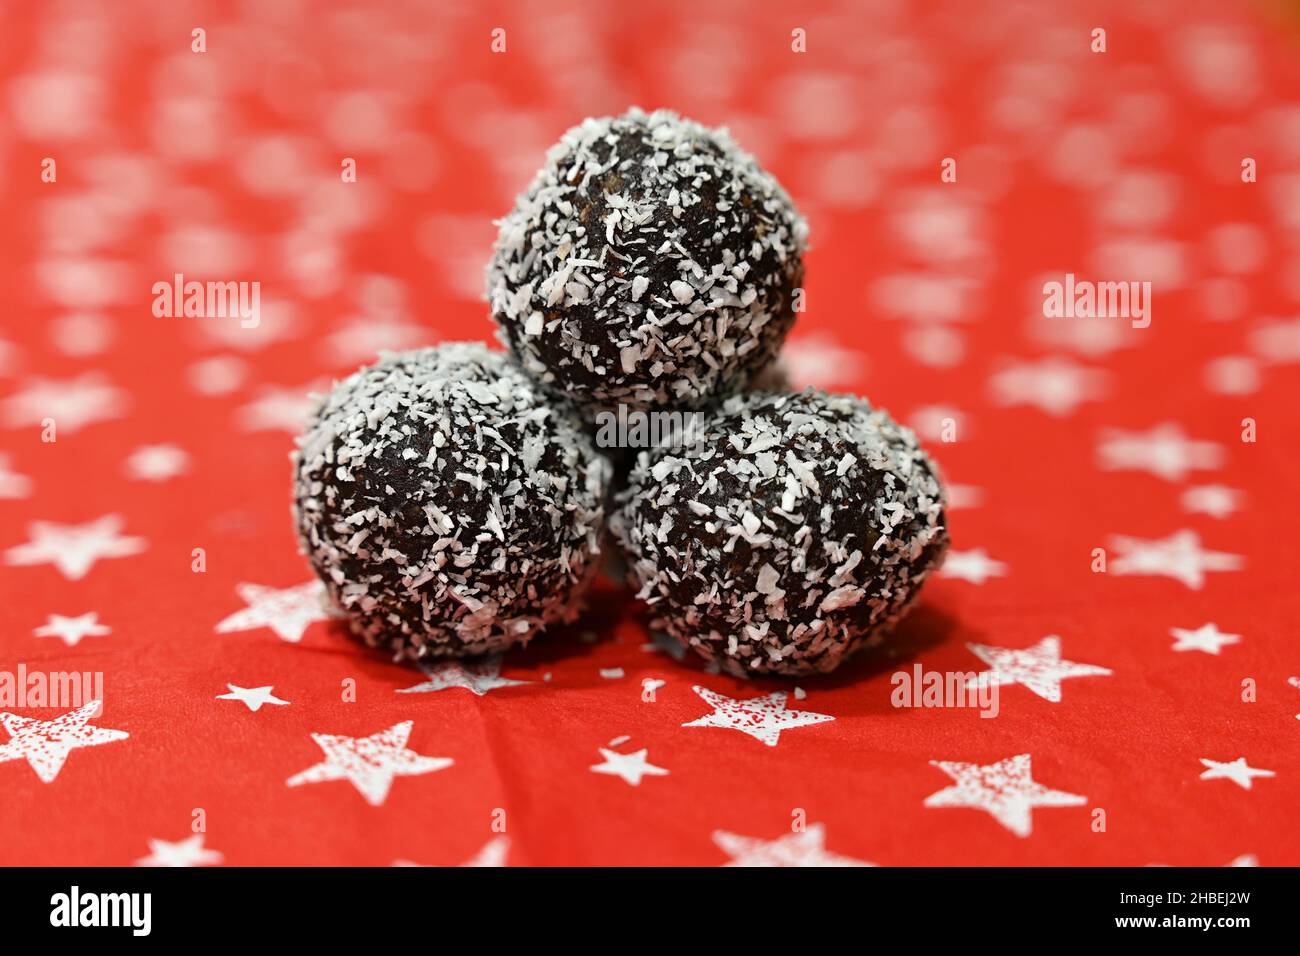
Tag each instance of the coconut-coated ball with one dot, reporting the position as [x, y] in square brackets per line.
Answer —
[448, 508]
[794, 530]
[651, 262]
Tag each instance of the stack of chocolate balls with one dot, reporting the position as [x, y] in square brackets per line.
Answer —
[453, 499]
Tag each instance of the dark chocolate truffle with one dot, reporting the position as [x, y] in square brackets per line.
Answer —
[651, 262]
[448, 508]
[794, 530]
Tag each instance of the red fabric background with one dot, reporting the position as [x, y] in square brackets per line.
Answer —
[921, 295]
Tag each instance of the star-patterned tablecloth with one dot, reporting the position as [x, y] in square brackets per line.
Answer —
[1123, 575]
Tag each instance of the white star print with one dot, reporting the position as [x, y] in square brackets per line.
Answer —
[156, 463]
[964, 496]
[287, 611]
[1055, 385]
[369, 763]
[72, 629]
[254, 697]
[1164, 451]
[74, 548]
[763, 718]
[631, 767]
[1238, 771]
[286, 409]
[478, 676]
[1277, 341]
[1005, 789]
[931, 421]
[1038, 668]
[366, 336]
[12, 484]
[72, 404]
[45, 744]
[493, 854]
[819, 360]
[1232, 375]
[1247, 859]
[1207, 638]
[218, 375]
[1086, 335]
[974, 566]
[187, 852]
[791, 849]
[1178, 556]
[1216, 501]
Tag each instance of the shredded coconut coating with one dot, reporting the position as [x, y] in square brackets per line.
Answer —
[448, 507]
[796, 529]
[650, 262]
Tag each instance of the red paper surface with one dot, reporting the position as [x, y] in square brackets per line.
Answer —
[924, 295]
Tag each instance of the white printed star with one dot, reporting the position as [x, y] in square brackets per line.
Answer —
[72, 403]
[45, 744]
[1088, 336]
[1178, 556]
[367, 336]
[369, 763]
[478, 676]
[1005, 789]
[72, 629]
[1055, 385]
[1277, 341]
[1038, 668]
[254, 697]
[941, 423]
[8, 356]
[631, 767]
[1164, 450]
[156, 463]
[964, 496]
[12, 484]
[493, 854]
[286, 409]
[819, 360]
[763, 718]
[1238, 771]
[74, 548]
[974, 566]
[187, 852]
[1247, 859]
[1207, 638]
[287, 611]
[218, 375]
[1217, 501]
[792, 849]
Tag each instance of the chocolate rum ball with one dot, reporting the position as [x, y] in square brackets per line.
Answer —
[450, 509]
[650, 263]
[796, 529]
